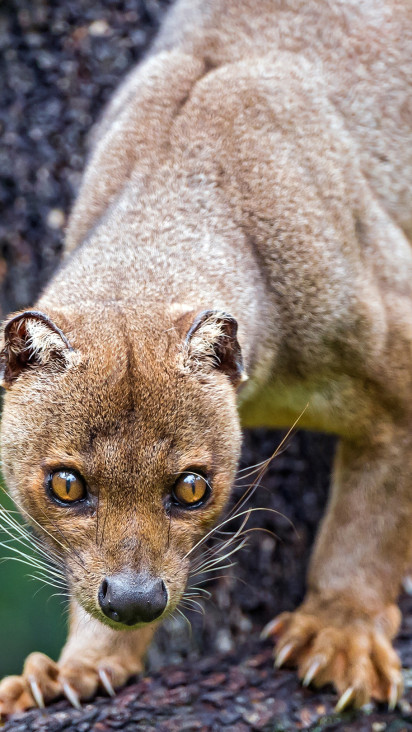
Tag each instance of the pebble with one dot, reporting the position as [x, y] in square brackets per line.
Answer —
[56, 218]
[99, 28]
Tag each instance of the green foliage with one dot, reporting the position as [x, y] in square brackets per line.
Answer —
[30, 618]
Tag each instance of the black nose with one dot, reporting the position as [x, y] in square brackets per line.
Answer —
[132, 598]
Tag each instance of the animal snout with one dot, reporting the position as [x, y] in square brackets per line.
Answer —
[132, 598]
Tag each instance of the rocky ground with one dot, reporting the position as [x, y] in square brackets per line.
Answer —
[235, 692]
[59, 62]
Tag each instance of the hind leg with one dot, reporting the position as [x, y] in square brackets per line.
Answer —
[342, 632]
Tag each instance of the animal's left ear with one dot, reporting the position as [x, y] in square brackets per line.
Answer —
[211, 343]
[31, 340]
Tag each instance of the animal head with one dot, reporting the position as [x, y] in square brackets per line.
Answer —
[120, 440]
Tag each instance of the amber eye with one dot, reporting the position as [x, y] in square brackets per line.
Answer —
[66, 486]
[191, 490]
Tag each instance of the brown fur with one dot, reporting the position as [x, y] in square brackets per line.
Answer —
[257, 164]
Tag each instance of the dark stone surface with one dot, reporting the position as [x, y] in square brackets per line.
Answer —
[59, 62]
[238, 692]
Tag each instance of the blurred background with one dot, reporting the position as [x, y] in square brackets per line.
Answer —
[59, 63]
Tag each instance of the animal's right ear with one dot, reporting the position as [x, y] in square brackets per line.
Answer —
[31, 340]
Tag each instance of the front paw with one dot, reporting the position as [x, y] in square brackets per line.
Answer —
[43, 680]
[353, 654]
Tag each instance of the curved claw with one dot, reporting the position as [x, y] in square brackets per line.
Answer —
[36, 692]
[107, 684]
[311, 672]
[271, 628]
[71, 695]
[345, 700]
[283, 654]
[395, 691]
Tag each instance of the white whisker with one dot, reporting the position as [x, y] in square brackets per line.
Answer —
[45, 581]
[186, 619]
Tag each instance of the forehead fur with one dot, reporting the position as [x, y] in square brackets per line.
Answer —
[129, 387]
